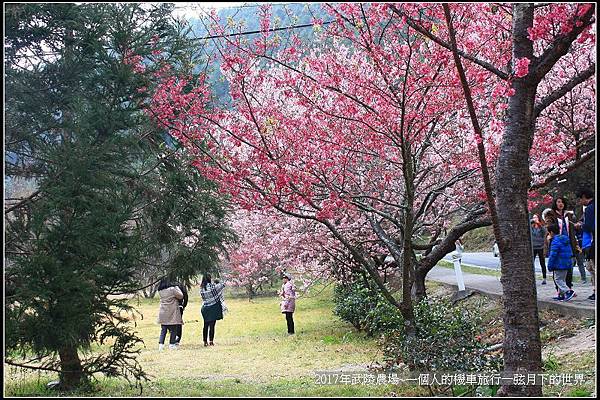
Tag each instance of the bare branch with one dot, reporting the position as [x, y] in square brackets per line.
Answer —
[502, 75]
[23, 202]
[563, 90]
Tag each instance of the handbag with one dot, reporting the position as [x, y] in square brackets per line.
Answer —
[224, 308]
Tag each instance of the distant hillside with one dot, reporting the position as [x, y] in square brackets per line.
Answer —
[282, 15]
[480, 239]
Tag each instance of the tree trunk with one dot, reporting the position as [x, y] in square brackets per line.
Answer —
[408, 272]
[447, 245]
[250, 291]
[408, 267]
[522, 345]
[151, 291]
[420, 290]
[71, 376]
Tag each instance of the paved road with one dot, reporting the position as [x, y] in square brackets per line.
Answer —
[487, 260]
[490, 285]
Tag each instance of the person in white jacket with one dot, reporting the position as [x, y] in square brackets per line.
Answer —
[169, 315]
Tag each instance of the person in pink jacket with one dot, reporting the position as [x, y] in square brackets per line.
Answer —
[288, 302]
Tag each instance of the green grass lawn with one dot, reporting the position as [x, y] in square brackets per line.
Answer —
[584, 363]
[252, 356]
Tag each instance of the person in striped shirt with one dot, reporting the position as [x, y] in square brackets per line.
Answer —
[212, 308]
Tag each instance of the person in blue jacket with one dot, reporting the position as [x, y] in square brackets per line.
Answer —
[588, 226]
[559, 261]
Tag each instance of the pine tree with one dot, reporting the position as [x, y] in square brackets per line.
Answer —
[111, 195]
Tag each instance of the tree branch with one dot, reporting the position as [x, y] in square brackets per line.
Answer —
[543, 64]
[23, 202]
[447, 244]
[479, 135]
[502, 75]
[588, 156]
[33, 367]
[563, 90]
[364, 262]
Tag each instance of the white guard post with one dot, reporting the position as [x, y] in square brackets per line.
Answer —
[459, 276]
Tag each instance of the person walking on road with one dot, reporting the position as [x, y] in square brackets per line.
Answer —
[567, 228]
[559, 262]
[588, 226]
[168, 314]
[288, 302]
[212, 308]
[538, 235]
[579, 256]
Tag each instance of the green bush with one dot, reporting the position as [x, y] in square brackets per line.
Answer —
[580, 392]
[551, 363]
[383, 318]
[352, 303]
[366, 309]
[445, 340]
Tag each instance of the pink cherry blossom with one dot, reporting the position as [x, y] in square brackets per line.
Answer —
[522, 67]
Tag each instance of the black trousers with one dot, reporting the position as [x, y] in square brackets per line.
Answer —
[163, 334]
[179, 328]
[289, 317]
[209, 330]
[540, 254]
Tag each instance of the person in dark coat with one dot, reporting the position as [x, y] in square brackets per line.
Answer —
[580, 257]
[538, 235]
[566, 227]
[182, 304]
[588, 226]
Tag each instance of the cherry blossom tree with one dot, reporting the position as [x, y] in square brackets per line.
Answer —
[365, 131]
[357, 130]
[270, 244]
[543, 52]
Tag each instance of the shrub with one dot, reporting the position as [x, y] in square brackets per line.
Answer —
[351, 303]
[551, 363]
[384, 318]
[445, 340]
[580, 392]
[366, 309]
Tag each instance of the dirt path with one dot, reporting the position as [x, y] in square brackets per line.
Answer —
[584, 340]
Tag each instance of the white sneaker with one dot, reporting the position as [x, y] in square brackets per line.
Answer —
[161, 347]
[172, 347]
